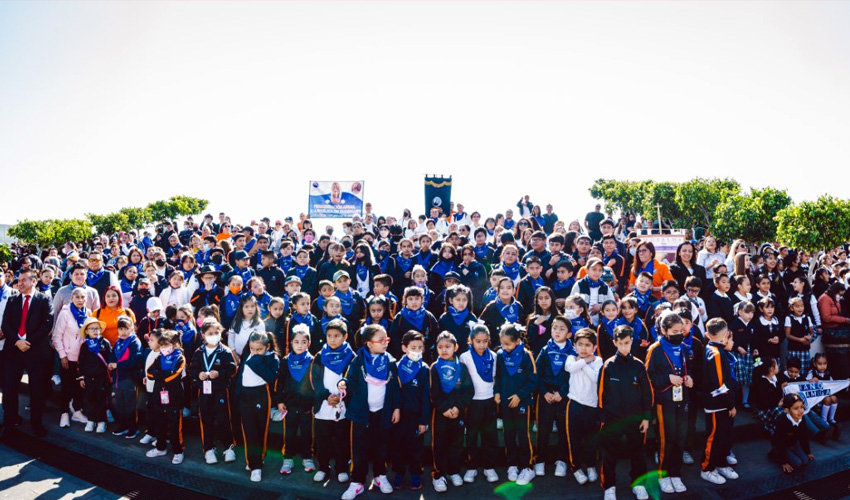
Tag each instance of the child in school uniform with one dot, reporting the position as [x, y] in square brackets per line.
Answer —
[480, 362]
[351, 302]
[244, 324]
[403, 272]
[493, 292]
[301, 315]
[408, 434]
[608, 317]
[125, 363]
[185, 325]
[212, 369]
[295, 400]
[151, 404]
[373, 388]
[94, 375]
[564, 281]
[552, 402]
[539, 325]
[629, 310]
[642, 294]
[718, 303]
[767, 393]
[625, 402]
[800, 332]
[669, 373]
[257, 287]
[383, 285]
[767, 333]
[818, 373]
[167, 372]
[154, 320]
[582, 416]
[231, 301]
[532, 282]
[592, 289]
[743, 329]
[719, 396]
[413, 316]
[255, 381]
[326, 291]
[516, 383]
[331, 428]
[791, 440]
[275, 323]
[695, 351]
[377, 313]
[451, 394]
[458, 315]
[302, 270]
[504, 308]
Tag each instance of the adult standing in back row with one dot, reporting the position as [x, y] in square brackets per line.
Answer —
[592, 221]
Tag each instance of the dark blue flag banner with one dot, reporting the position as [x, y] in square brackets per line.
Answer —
[438, 193]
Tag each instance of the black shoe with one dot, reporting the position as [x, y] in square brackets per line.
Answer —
[39, 430]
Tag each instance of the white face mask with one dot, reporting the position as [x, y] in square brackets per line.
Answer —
[414, 356]
[571, 314]
[165, 351]
[213, 340]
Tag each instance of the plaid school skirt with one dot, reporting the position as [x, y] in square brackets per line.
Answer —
[768, 418]
[805, 358]
[744, 367]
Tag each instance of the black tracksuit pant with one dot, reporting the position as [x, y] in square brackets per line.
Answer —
[214, 414]
[408, 444]
[255, 407]
[368, 444]
[672, 435]
[547, 414]
[481, 423]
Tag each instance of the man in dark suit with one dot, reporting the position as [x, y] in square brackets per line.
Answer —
[27, 323]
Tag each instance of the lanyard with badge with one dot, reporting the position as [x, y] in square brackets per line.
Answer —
[678, 390]
[208, 363]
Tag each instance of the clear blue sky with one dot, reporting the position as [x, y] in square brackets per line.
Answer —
[112, 104]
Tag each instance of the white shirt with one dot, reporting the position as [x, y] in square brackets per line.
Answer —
[250, 377]
[483, 390]
[236, 341]
[704, 258]
[5, 293]
[375, 396]
[149, 383]
[584, 380]
[328, 412]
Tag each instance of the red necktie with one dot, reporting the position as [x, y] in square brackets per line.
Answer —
[22, 330]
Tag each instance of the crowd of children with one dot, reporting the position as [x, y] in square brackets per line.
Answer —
[354, 343]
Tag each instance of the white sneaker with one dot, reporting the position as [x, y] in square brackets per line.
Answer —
[500, 424]
[109, 417]
[456, 480]
[666, 485]
[286, 468]
[210, 457]
[491, 475]
[229, 455]
[727, 472]
[383, 484]
[439, 485]
[513, 472]
[78, 416]
[89, 426]
[354, 489]
[320, 476]
[712, 477]
[592, 476]
[147, 439]
[342, 477]
[732, 459]
[56, 380]
[687, 459]
[65, 420]
[309, 466]
[156, 453]
[177, 459]
[276, 415]
[678, 485]
[640, 492]
[540, 469]
[581, 478]
[101, 427]
[256, 475]
[525, 476]
[469, 477]
[611, 493]
[153, 443]
[560, 468]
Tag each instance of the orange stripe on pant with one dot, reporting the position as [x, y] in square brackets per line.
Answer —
[709, 441]
[661, 438]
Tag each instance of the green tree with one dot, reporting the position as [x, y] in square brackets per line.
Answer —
[662, 194]
[815, 225]
[626, 196]
[51, 231]
[110, 223]
[175, 207]
[5, 253]
[750, 216]
[137, 218]
[698, 198]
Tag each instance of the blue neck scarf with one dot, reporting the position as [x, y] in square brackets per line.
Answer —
[320, 300]
[689, 339]
[126, 286]
[424, 259]
[675, 353]
[404, 263]
[415, 318]
[649, 268]
[643, 299]
[449, 372]
[362, 272]
[43, 287]
[121, 346]
[263, 304]
[483, 364]
[326, 319]
[591, 283]
[301, 271]
[426, 294]
[349, 254]
[303, 319]
[187, 274]
[481, 252]
[608, 258]
[459, 317]
[610, 325]
[442, 267]
[490, 295]
[299, 364]
[535, 283]
[636, 325]
[509, 311]
[377, 365]
[383, 322]
[93, 344]
[346, 300]
[285, 263]
[168, 362]
[511, 271]
[187, 332]
[245, 274]
[79, 314]
[557, 355]
[578, 324]
[336, 360]
[384, 260]
[513, 359]
[231, 303]
[408, 370]
[94, 277]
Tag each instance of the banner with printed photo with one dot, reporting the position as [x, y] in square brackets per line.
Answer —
[335, 199]
[814, 392]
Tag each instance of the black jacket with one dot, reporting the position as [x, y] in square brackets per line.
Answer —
[460, 396]
[291, 392]
[718, 386]
[659, 368]
[624, 390]
[221, 360]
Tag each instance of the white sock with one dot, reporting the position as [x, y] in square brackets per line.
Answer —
[824, 411]
[832, 409]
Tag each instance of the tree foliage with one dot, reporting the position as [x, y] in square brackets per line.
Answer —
[5, 253]
[751, 216]
[109, 223]
[626, 196]
[176, 206]
[51, 231]
[698, 198]
[815, 225]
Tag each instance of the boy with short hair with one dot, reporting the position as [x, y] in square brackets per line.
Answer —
[532, 281]
[719, 398]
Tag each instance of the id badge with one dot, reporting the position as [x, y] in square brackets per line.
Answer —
[677, 393]
[207, 386]
[163, 397]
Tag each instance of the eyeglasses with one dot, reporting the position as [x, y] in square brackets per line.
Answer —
[385, 340]
[95, 260]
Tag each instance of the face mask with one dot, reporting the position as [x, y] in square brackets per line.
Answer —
[570, 314]
[385, 233]
[675, 339]
[165, 351]
[308, 238]
[143, 291]
[330, 231]
[414, 356]
[632, 251]
[160, 262]
[200, 322]
[206, 247]
[383, 254]
[235, 290]
[213, 339]
[217, 259]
